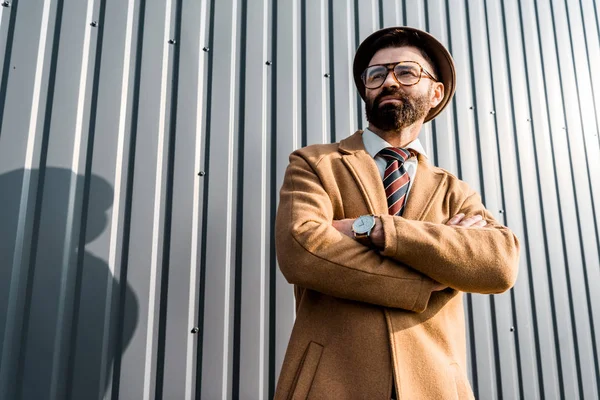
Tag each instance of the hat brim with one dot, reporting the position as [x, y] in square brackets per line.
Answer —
[438, 53]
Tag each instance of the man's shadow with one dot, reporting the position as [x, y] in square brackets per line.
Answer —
[65, 320]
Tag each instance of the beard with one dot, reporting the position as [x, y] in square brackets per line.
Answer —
[395, 116]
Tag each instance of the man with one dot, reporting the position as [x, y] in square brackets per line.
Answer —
[380, 244]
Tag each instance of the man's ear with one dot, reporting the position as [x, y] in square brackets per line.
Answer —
[437, 94]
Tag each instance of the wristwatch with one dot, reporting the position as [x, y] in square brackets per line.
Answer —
[362, 228]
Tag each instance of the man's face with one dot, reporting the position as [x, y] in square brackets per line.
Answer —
[393, 106]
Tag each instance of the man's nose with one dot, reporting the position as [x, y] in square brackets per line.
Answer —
[390, 80]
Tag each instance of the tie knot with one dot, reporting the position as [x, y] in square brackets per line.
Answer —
[395, 153]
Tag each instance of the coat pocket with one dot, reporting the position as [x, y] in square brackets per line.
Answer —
[463, 387]
[307, 371]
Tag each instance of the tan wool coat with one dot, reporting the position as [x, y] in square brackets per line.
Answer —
[367, 319]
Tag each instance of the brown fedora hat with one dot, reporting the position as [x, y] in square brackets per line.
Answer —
[438, 53]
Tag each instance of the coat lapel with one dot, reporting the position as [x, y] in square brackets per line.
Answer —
[364, 171]
[426, 185]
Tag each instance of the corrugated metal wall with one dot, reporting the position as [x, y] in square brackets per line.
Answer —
[143, 143]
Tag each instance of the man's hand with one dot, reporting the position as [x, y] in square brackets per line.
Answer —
[476, 221]
[344, 226]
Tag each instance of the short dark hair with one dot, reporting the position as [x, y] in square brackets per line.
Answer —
[401, 38]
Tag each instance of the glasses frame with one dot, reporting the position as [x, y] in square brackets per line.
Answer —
[391, 67]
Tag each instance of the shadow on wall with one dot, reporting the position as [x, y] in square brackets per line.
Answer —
[64, 318]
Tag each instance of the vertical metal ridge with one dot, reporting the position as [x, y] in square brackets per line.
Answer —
[7, 61]
[88, 173]
[545, 239]
[551, 283]
[237, 302]
[198, 245]
[332, 118]
[208, 132]
[472, 345]
[356, 44]
[70, 367]
[273, 209]
[168, 208]
[453, 105]
[494, 318]
[85, 196]
[129, 158]
[470, 308]
[267, 205]
[589, 65]
[82, 194]
[323, 49]
[426, 12]
[524, 220]
[496, 349]
[303, 83]
[157, 212]
[548, 267]
[227, 322]
[112, 381]
[42, 169]
[474, 98]
[567, 262]
[595, 3]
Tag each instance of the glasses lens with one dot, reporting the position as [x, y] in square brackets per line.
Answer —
[407, 73]
[375, 76]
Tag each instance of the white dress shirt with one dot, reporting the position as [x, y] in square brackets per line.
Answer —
[374, 144]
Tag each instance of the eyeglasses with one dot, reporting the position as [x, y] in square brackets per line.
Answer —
[407, 73]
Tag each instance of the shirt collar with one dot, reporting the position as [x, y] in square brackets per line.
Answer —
[374, 144]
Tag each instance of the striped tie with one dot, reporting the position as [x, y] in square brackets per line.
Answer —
[395, 178]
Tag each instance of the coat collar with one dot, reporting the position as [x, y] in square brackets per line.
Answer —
[364, 171]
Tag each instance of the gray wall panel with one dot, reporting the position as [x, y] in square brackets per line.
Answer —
[287, 129]
[181, 330]
[445, 152]
[342, 39]
[505, 316]
[316, 73]
[221, 215]
[254, 319]
[140, 180]
[541, 342]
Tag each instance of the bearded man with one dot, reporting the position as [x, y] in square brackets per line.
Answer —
[381, 245]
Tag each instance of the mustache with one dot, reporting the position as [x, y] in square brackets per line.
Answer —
[388, 91]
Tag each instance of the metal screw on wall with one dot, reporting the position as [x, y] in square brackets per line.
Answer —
[94, 24]
[327, 75]
[268, 63]
[492, 112]
[5, 4]
[195, 330]
[171, 41]
[201, 173]
[205, 49]
[512, 328]
[501, 211]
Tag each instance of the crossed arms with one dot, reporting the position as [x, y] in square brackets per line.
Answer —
[416, 259]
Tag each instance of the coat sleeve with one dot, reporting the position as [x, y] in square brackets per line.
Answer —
[479, 260]
[314, 255]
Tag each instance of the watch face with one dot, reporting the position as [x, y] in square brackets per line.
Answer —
[363, 224]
